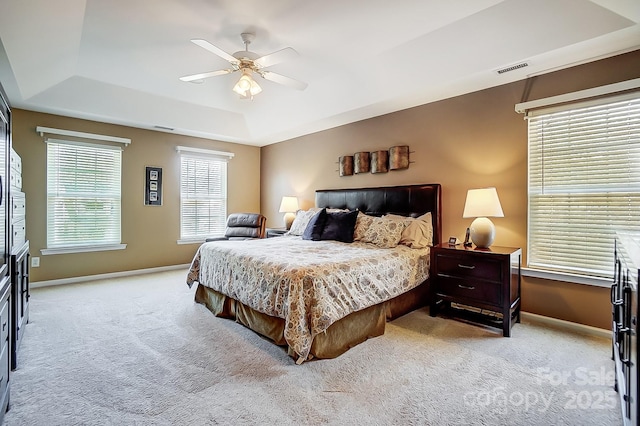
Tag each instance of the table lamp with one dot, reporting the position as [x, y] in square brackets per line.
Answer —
[289, 206]
[482, 203]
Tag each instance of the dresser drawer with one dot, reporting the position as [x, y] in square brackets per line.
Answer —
[4, 323]
[16, 181]
[19, 204]
[462, 266]
[4, 368]
[16, 162]
[19, 235]
[470, 290]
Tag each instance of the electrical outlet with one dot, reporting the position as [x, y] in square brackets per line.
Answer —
[35, 262]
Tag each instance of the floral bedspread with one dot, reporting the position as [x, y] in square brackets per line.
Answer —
[310, 284]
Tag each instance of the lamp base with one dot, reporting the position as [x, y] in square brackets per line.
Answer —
[288, 220]
[482, 232]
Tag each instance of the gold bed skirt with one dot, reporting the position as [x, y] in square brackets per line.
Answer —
[346, 333]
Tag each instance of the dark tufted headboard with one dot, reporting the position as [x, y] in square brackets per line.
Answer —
[407, 200]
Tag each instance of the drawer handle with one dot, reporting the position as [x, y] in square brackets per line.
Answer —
[4, 326]
[466, 266]
[466, 287]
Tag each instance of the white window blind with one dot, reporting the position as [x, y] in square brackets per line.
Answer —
[83, 194]
[203, 195]
[584, 184]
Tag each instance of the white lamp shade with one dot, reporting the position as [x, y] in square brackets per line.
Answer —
[481, 204]
[288, 206]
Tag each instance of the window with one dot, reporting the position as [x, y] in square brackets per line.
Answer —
[203, 193]
[584, 183]
[83, 196]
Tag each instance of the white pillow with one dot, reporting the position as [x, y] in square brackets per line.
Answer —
[301, 221]
[418, 232]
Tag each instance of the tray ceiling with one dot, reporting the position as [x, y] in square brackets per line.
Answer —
[118, 61]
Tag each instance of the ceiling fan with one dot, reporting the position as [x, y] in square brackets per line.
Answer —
[248, 63]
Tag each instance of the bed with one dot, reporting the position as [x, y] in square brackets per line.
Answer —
[320, 298]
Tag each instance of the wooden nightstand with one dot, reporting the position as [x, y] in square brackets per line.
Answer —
[275, 232]
[485, 279]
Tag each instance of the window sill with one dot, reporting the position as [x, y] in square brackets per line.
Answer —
[191, 241]
[566, 277]
[82, 249]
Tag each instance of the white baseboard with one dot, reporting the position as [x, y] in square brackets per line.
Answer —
[568, 325]
[75, 280]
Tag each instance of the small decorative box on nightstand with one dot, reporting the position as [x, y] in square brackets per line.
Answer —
[485, 279]
[275, 232]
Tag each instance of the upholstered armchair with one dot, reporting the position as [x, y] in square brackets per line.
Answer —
[243, 226]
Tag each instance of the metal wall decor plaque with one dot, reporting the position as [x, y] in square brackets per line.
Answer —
[399, 157]
[361, 162]
[346, 165]
[379, 161]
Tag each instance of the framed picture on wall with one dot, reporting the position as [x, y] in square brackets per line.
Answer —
[153, 186]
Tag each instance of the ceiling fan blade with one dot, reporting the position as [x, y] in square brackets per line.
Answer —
[285, 81]
[276, 57]
[213, 49]
[204, 75]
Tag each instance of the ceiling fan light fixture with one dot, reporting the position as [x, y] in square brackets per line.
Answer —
[255, 88]
[247, 85]
[247, 63]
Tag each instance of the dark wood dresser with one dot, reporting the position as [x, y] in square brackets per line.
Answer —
[486, 279]
[5, 248]
[19, 258]
[624, 302]
[20, 297]
[5, 345]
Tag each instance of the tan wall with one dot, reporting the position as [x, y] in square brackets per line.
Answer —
[150, 232]
[470, 141]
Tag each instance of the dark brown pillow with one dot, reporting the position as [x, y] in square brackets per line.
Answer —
[339, 226]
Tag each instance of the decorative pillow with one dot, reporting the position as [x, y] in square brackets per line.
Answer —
[419, 233]
[406, 220]
[362, 224]
[339, 226]
[383, 232]
[301, 221]
[315, 226]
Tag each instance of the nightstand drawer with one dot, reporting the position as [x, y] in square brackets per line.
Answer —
[480, 291]
[462, 266]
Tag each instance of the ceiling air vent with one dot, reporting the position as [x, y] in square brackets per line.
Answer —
[512, 68]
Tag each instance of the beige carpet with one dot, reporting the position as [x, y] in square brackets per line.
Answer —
[139, 351]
